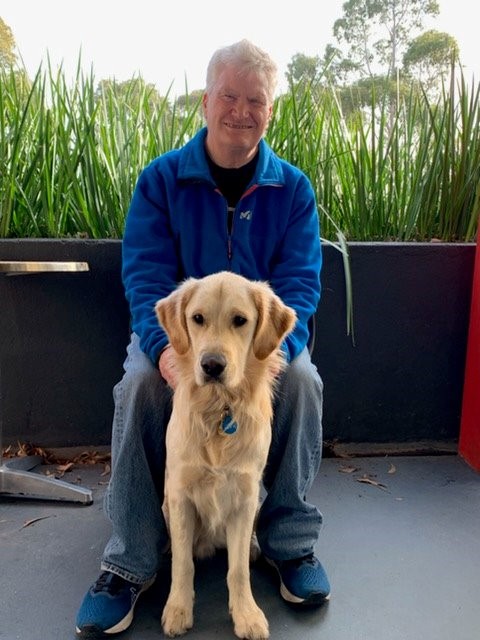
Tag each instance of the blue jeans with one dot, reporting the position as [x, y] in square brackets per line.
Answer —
[288, 526]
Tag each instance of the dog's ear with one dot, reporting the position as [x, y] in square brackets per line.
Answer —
[170, 312]
[275, 321]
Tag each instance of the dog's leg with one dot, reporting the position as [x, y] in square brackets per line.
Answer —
[177, 615]
[249, 620]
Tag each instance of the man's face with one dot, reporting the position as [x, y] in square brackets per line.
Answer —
[237, 112]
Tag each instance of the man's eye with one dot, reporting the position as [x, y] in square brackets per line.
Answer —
[198, 318]
[239, 321]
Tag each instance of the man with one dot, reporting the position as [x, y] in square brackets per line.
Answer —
[224, 201]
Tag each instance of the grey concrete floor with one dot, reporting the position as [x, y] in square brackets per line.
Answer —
[401, 544]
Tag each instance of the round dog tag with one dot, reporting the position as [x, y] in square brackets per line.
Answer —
[228, 425]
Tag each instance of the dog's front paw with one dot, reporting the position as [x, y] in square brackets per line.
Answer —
[251, 624]
[177, 619]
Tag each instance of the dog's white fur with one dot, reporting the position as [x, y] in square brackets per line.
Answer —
[212, 480]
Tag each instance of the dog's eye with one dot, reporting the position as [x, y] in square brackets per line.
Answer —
[239, 321]
[198, 318]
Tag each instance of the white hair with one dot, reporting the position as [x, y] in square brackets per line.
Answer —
[247, 57]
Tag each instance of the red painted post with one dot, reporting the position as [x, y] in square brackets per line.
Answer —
[469, 443]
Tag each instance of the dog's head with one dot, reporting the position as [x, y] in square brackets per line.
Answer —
[221, 321]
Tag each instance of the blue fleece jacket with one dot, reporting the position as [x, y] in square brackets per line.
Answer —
[176, 228]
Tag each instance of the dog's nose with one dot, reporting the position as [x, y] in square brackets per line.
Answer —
[213, 364]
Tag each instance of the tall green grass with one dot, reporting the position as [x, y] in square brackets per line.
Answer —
[70, 155]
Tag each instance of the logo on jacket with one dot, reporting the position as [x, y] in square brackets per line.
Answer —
[245, 215]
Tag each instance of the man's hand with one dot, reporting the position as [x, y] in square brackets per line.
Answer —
[167, 365]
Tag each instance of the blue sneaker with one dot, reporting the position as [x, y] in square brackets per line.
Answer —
[303, 580]
[108, 606]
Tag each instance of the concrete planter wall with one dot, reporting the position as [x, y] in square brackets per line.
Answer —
[63, 339]
[62, 343]
[403, 380]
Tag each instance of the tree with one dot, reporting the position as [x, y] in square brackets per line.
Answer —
[8, 56]
[187, 100]
[133, 92]
[429, 56]
[336, 67]
[302, 68]
[379, 90]
[375, 33]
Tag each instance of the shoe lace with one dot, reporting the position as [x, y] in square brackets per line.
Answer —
[308, 559]
[108, 582]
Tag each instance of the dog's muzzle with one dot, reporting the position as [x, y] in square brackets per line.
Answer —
[213, 365]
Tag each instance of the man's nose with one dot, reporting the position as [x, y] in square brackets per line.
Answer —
[242, 108]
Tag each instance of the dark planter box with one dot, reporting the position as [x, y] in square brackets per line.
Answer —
[403, 379]
[63, 339]
[62, 343]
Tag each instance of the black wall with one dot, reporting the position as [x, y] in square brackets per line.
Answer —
[62, 344]
[403, 379]
[63, 339]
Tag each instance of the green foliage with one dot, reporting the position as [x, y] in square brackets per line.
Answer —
[8, 56]
[70, 156]
[378, 90]
[373, 34]
[412, 173]
[303, 68]
[378, 41]
[430, 56]
[396, 167]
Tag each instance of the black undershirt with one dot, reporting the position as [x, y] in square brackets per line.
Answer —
[232, 182]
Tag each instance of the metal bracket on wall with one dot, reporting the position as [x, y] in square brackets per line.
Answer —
[25, 267]
[17, 480]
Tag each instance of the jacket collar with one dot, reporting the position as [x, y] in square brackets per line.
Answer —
[193, 165]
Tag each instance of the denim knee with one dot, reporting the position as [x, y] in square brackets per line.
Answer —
[142, 406]
[302, 378]
[299, 400]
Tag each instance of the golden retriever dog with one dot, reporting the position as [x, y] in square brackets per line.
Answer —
[226, 333]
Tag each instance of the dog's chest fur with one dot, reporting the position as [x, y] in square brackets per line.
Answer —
[216, 493]
[217, 472]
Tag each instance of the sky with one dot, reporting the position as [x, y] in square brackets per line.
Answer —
[169, 42]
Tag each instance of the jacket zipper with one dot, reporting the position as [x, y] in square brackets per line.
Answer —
[230, 219]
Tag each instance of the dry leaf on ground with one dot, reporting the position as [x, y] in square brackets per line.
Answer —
[28, 523]
[347, 469]
[27, 449]
[366, 480]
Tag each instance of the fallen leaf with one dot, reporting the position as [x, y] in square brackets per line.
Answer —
[59, 471]
[65, 467]
[106, 470]
[347, 469]
[29, 523]
[92, 457]
[374, 483]
[26, 449]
